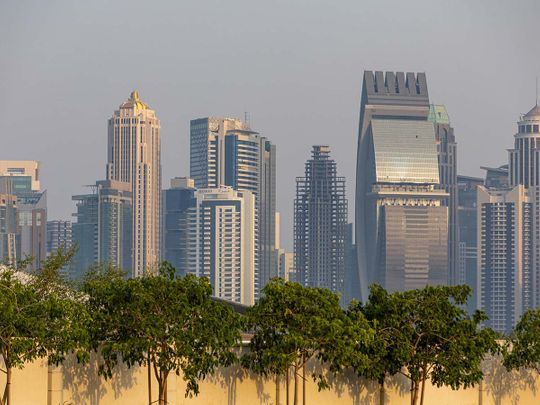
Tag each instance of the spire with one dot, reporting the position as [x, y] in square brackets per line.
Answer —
[134, 95]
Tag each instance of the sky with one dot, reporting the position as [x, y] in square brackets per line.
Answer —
[294, 65]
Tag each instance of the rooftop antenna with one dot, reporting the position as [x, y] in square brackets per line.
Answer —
[247, 118]
[536, 90]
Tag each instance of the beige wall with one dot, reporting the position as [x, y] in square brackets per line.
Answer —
[72, 384]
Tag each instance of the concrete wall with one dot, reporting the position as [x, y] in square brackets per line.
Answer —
[72, 384]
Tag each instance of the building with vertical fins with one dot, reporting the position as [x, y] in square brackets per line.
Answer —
[505, 254]
[447, 155]
[221, 242]
[58, 235]
[226, 152]
[134, 157]
[524, 169]
[401, 221]
[320, 223]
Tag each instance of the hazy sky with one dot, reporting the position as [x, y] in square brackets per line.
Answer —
[295, 66]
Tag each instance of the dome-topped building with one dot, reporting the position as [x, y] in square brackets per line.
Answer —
[524, 159]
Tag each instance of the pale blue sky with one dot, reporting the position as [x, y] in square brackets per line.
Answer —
[296, 66]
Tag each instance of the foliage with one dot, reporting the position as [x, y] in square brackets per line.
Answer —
[40, 317]
[426, 334]
[292, 324]
[524, 347]
[165, 322]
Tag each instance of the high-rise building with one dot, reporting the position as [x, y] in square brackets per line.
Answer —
[524, 168]
[286, 265]
[58, 235]
[221, 242]
[134, 157]
[103, 231]
[21, 178]
[467, 255]
[84, 232]
[401, 220]
[505, 254]
[320, 221]
[8, 229]
[352, 283]
[226, 151]
[178, 203]
[447, 154]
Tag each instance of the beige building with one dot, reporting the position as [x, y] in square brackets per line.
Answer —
[505, 254]
[134, 157]
[221, 242]
[22, 168]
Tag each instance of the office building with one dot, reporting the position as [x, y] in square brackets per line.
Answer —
[505, 254]
[134, 157]
[320, 221]
[58, 235]
[226, 151]
[103, 230]
[401, 221]
[286, 265]
[221, 243]
[178, 201]
[21, 178]
[447, 156]
[8, 229]
[467, 245]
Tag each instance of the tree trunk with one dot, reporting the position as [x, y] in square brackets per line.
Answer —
[277, 389]
[381, 392]
[7, 392]
[295, 401]
[149, 381]
[424, 377]
[303, 381]
[165, 388]
[414, 392]
[287, 385]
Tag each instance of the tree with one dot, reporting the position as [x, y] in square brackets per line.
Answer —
[524, 347]
[40, 317]
[426, 334]
[167, 323]
[293, 324]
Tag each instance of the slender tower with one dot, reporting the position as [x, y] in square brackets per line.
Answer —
[134, 157]
[320, 223]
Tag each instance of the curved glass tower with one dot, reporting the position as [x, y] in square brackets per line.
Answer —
[401, 223]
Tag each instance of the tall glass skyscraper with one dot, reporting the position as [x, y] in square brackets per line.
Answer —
[401, 222]
[320, 223]
[134, 157]
[225, 151]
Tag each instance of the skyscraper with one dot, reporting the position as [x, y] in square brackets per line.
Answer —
[134, 157]
[21, 178]
[221, 243]
[505, 254]
[467, 245]
[320, 221]
[103, 230]
[8, 228]
[225, 151]
[524, 168]
[58, 235]
[401, 222]
[447, 154]
[178, 203]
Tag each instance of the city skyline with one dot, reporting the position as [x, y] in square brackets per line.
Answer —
[300, 84]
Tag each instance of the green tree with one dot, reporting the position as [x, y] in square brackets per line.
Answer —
[167, 323]
[523, 350]
[293, 324]
[425, 335]
[40, 317]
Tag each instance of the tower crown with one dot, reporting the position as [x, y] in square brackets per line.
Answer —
[134, 101]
